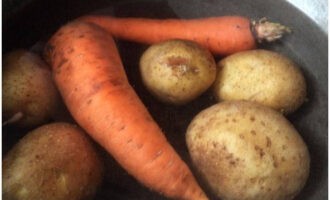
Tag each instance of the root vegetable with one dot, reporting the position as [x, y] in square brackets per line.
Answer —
[261, 76]
[55, 161]
[246, 151]
[91, 78]
[221, 35]
[177, 71]
[29, 95]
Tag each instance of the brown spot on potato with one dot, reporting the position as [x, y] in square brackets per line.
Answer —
[262, 123]
[268, 142]
[275, 161]
[176, 61]
[253, 132]
[259, 150]
[232, 163]
[181, 66]
[253, 180]
[229, 156]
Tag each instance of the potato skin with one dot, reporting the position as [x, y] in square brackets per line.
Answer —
[55, 162]
[246, 151]
[177, 71]
[28, 88]
[263, 76]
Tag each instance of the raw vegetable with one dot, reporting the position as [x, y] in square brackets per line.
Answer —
[55, 161]
[90, 76]
[177, 71]
[246, 151]
[221, 35]
[29, 95]
[262, 76]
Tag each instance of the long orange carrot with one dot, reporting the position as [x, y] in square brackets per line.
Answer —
[91, 78]
[221, 35]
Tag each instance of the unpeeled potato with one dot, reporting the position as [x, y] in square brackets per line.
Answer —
[247, 151]
[29, 95]
[55, 162]
[262, 76]
[177, 71]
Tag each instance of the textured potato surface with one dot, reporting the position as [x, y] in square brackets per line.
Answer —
[54, 162]
[263, 76]
[246, 151]
[28, 89]
[177, 71]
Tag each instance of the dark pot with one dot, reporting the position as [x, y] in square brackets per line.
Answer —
[29, 23]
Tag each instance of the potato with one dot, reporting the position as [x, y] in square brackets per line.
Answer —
[56, 161]
[29, 96]
[247, 151]
[261, 76]
[177, 71]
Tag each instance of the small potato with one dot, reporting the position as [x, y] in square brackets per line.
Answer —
[177, 71]
[247, 151]
[29, 95]
[55, 162]
[262, 76]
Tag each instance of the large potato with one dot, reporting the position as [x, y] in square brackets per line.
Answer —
[246, 151]
[177, 71]
[29, 95]
[262, 76]
[55, 162]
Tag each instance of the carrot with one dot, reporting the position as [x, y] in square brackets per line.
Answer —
[90, 76]
[221, 35]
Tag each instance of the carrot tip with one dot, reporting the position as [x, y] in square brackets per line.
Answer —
[269, 31]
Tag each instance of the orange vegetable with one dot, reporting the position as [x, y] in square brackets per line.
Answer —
[90, 76]
[221, 35]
